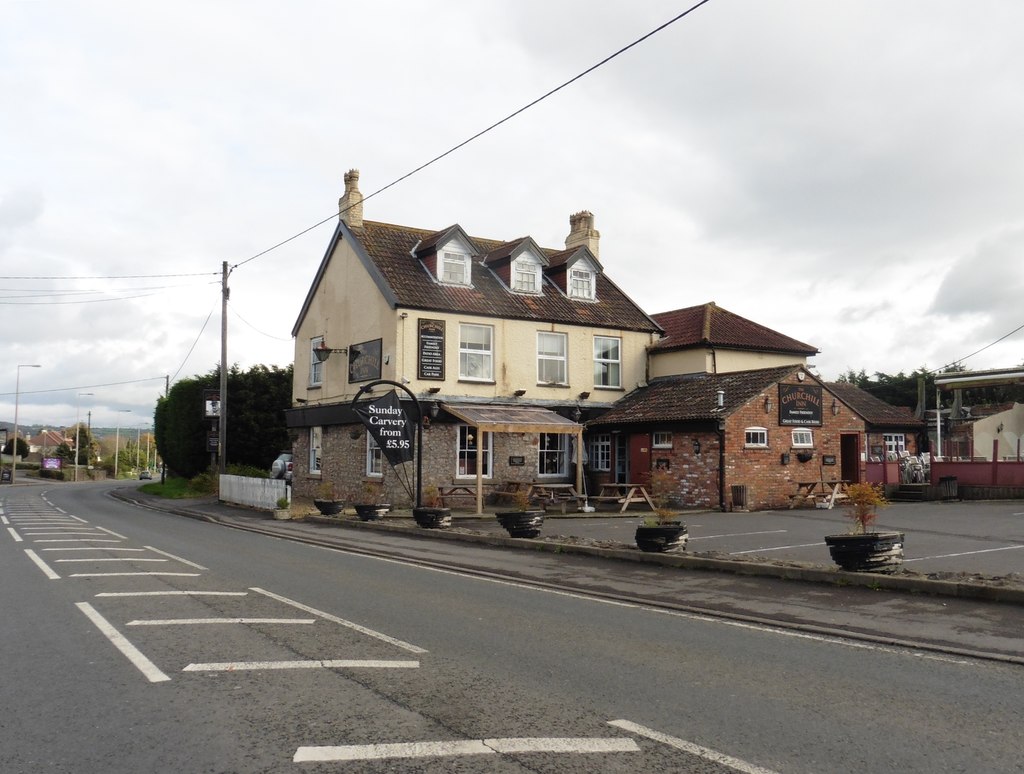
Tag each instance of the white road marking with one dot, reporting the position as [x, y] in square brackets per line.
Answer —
[49, 534]
[965, 553]
[739, 534]
[111, 559]
[119, 641]
[177, 558]
[111, 532]
[510, 746]
[15, 535]
[334, 619]
[690, 747]
[242, 666]
[196, 621]
[41, 564]
[78, 540]
[3, 519]
[172, 594]
[94, 548]
[131, 574]
[775, 548]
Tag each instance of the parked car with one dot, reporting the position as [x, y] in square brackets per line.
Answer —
[144, 474]
[282, 467]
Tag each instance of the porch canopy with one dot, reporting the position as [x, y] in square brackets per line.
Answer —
[517, 419]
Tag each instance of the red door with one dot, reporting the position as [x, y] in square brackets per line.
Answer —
[640, 459]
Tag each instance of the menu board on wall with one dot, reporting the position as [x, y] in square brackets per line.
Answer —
[430, 349]
[800, 404]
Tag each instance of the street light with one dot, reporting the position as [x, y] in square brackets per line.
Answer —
[117, 439]
[17, 393]
[78, 428]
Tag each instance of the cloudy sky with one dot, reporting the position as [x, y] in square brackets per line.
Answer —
[848, 173]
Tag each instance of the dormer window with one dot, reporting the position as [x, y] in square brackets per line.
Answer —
[454, 268]
[526, 275]
[581, 283]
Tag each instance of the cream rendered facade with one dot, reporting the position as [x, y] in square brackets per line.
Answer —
[712, 361]
[349, 307]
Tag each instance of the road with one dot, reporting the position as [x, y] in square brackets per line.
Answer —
[136, 640]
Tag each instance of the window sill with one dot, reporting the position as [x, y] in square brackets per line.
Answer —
[554, 385]
[609, 388]
[470, 380]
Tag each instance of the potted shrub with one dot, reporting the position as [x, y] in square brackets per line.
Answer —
[368, 503]
[327, 500]
[523, 522]
[283, 511]
[432, 514]
[861, 550]
[661, 532]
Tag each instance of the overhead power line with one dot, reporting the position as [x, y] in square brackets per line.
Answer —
[482, 132]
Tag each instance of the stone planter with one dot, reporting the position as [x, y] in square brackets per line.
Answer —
[670, 536]
[371, 511]
[329, 507]
[871, 552]
[430, 517]
[282, 514]
[521, 524]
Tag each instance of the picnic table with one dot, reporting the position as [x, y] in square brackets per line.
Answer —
[626, 494]
[547, 492]
[823, 493]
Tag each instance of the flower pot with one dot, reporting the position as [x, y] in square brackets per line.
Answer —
[430, 517]
[871, 552]
[329, 507]
[670, 536]
[371, 511]
[521, 524]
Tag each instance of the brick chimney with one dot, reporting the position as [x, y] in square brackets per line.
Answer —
[582, 233]
[350, 206]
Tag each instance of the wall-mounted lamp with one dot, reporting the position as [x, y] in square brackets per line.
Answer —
[519, 393]
[768, 405]
[1000, 428]
[584, 395]
[696, 445]
[434, 390]
[434, 410]
[322, 351]
[835, 408]
[576, 414]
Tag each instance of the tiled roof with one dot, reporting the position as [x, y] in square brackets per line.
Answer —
[388, 247]
[875, 411]
[692, 397]
[710, 325]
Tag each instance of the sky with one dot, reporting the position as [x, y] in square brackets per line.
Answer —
[849, 174]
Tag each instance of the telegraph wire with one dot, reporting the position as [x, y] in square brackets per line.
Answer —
[482, 132]
[85, 386]
[262, 333]
[978, 352]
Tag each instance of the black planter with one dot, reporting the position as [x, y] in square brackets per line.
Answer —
[432, 518]
[872, 552]
[329, 507]
[371, 511]
[662, 538]
[521, 524]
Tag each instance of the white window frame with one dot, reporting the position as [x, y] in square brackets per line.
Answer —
[552, 357]
[755, 438]
[607, 368]
[552, 455]
[374, 458]
[316, 450]
[463, 450]
[482, 354]
[316, 368]
[526, 276]
[581, 282]
[803, 438]
[446, 265]
[601, 452]
[894, 443]
[661, 439]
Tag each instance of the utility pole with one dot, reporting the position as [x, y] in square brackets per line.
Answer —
[222, 430]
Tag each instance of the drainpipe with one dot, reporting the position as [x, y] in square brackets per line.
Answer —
[721, 465]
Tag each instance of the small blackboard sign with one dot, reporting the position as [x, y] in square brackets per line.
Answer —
[516, 461]
[828, 459]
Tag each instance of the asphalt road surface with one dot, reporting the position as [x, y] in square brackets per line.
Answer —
[135, 640]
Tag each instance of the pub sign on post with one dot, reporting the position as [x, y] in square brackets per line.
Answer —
[390, 426]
